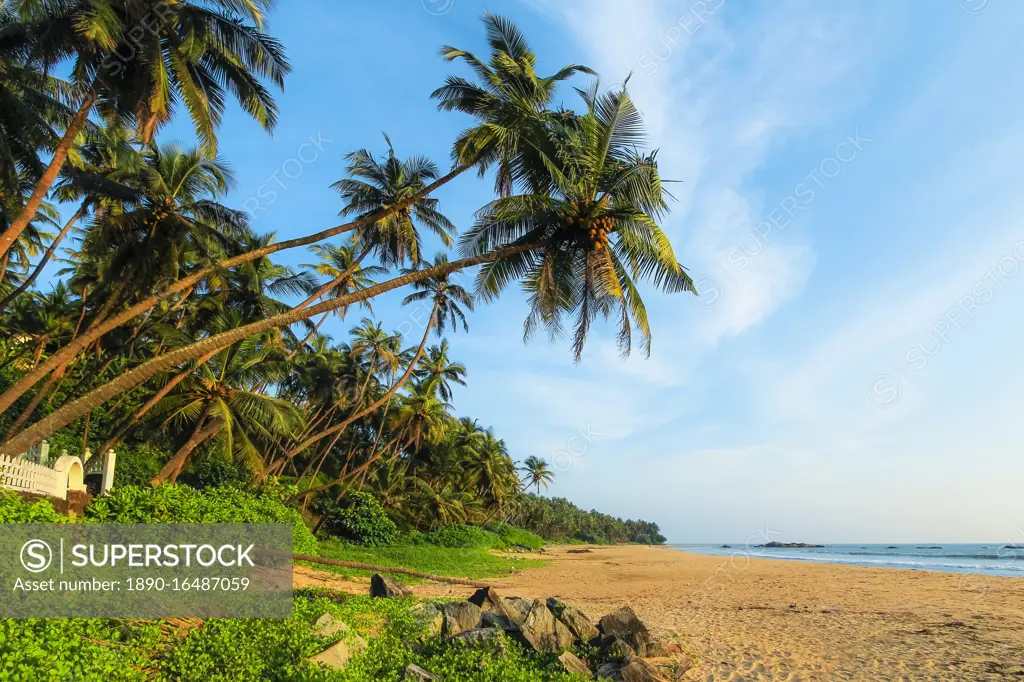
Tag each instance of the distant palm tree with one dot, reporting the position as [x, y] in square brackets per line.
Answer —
[437, 373]
[537, 473]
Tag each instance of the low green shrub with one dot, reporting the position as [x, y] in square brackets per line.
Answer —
[465, 537]
[358, 519]
[215, 471]
[182, 504]
[15, 510]
[137, 466]
[514, 537]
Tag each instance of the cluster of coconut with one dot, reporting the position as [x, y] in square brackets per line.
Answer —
[597, 228]
[621, 646]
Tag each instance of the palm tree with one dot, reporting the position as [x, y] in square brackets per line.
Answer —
[492, 114]
[537, 473]
[388, 183]
[219, 402]
[437, 373]
[136, 60]
[603, 190]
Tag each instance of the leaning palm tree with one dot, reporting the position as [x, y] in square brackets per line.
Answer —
[579, 248]
[492, 114]
[137, 60]
[537, 473]
[596, 221]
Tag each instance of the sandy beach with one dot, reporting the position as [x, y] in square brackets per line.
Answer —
[762, 619]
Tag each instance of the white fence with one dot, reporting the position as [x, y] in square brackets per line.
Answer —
[19, 474]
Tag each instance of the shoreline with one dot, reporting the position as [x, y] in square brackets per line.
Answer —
[776, 619]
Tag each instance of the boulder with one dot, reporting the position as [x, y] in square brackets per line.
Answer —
[327, 626]
[489, 601]
[626, 626]
[573, 665]
[340, 653]
[615, 649]
[656, 648]
[517, 609]
[414, 673]
[476, 635]
[493, 620]
[610, 671]
[387, 588]
[543, 632]
[429, 618]
[460, 616]
[639, 670]
[578, 624]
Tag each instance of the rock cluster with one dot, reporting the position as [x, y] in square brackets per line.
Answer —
[623, 648]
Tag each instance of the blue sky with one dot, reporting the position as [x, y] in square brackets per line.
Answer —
[848, 202]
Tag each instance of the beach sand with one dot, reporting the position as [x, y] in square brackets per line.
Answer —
[762, 619]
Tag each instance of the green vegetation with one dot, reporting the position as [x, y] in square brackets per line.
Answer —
[559, 520]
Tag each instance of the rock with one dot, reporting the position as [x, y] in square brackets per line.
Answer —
[1013, 546]
[387, 588]
[340, 653]
[626, 626]
[658, 649]
[578, 624]
[555, 606]
[892, 547]
[489, 601]
[517, 609]
[428, 617]
[615, 649]
[414, 673]
[476, 635]
[460, 616]
[573, 665]
[493, 620]
[932, 547]
[543, 632]
[610, 671]
[326, 626]
[726, 547]
[639, 670]
[786, 545]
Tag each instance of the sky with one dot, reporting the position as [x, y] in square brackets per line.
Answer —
[847, 200]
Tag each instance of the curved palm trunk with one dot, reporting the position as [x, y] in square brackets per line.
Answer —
[34, 403]
[157, 397]
[101, 327]
[23, 287]
[344, 424]
[60, 154]
[78, 408]
[174, 466]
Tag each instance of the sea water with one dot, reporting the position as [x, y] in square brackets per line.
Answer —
[994, 558]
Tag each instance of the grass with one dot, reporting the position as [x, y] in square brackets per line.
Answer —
[460, 563]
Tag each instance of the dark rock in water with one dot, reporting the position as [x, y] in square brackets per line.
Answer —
[543, 632]
[626, 626]
[460, 616]
[929, 548]
[414, 673]
[489, 601]
[517, 609]
[1013, 546]
[726, 547]
[578, 624]
[476, 635]
[493, 620]
[787, 545]
[387, 588]
[892, 547]
[573, 665]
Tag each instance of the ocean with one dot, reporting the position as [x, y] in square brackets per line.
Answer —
[984, 559]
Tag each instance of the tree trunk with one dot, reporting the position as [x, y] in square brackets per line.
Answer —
[344, 424]
[97, 330]
[175, 464]
[23, 287]
[34, 403]
[73, 410]
[386, 569]
[160, 395]
[60, 154]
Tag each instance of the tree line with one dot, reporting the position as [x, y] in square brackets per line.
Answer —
[171, 330]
